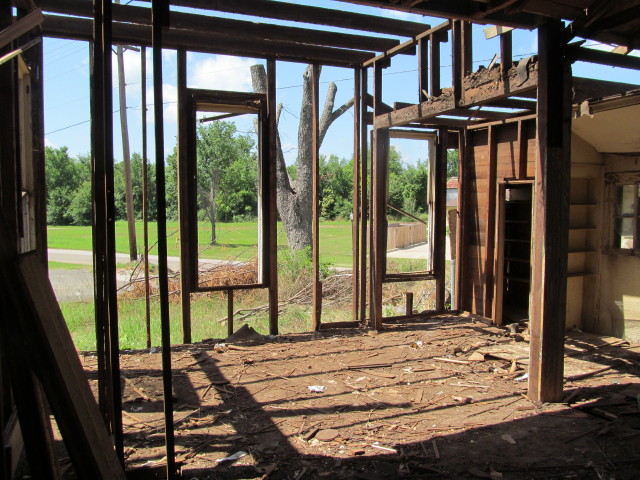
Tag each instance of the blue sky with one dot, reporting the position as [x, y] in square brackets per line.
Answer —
[66, 78]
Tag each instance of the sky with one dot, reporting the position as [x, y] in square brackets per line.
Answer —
[67, 107]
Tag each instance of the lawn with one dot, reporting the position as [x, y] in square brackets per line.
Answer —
[235, 240]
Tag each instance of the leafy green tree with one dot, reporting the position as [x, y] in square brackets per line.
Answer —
[336, 187]
[136, 182]
[63, 177]
[81, 206]
[226, 173]
[171, 185]
[452, 163]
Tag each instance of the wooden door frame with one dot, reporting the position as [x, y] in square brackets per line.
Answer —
[498, 256]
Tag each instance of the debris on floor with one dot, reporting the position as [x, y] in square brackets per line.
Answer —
[439, 398]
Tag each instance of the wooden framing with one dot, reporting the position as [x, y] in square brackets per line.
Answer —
[316, 313]
[551, 218]
[50, 356]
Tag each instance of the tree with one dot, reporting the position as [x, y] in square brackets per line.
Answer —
[62, 181]
[295, 196]
[452, 163]
[226, 171]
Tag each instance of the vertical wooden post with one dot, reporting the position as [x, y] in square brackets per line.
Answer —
[489, 261]
[378, 192]
[423, 69]
[159, 19]
[467, 49]
[317, 286]
[551, 217]
[439, 234]
[229, 312]
[186, 262]
[145, 191]
[8, 149]
[272, 192]
[461, 240]
[434, 60]
[364, 129]
[98, 230]
[522, 151]
[456, 57]
[506, 56]
[355, 214]
[408, 303]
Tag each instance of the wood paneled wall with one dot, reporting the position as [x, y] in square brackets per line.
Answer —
[512, 160]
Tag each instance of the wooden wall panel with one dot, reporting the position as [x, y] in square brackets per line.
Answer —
[477, 215]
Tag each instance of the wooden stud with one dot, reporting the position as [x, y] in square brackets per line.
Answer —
[467, 49]
[229, 312]
[461, 236]
[145, 192]
[355, 214]
[272, 192]
[434, 61]
[457, 57]
[186, 262]
[423, 69]
[379, 167]
[551, 217]
[317, 286]
[491, 222]
[506, 48]
[522, 151]
[440, 204]
[365, 210]
[160, 10]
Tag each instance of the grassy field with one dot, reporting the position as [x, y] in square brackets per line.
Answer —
[235, 240]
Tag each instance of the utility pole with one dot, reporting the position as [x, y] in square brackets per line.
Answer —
[126, 154]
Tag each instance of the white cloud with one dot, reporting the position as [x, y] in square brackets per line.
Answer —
[222, 72]
[170, 100]
[49, 143]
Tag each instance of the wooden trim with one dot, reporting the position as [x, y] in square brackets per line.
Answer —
[498, 287]
[439, 234]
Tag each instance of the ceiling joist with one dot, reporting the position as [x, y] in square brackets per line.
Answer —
[257, 32]
[207, 42]
[306, 14]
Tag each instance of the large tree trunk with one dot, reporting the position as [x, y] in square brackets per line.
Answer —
[295, 197]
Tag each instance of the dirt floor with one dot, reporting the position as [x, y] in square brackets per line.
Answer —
[442, 398]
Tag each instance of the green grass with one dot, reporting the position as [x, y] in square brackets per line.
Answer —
[235, 240]
[206, 313]
[66, 266]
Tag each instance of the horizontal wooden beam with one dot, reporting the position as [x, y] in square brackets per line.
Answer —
[22, 26]
[307, 14]
[410, 44]
[579, 54]
[480, 91]
[518, 103]
[486, 114]
[416, 113]
[131, 34]
[472, 11]
[255, 31]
